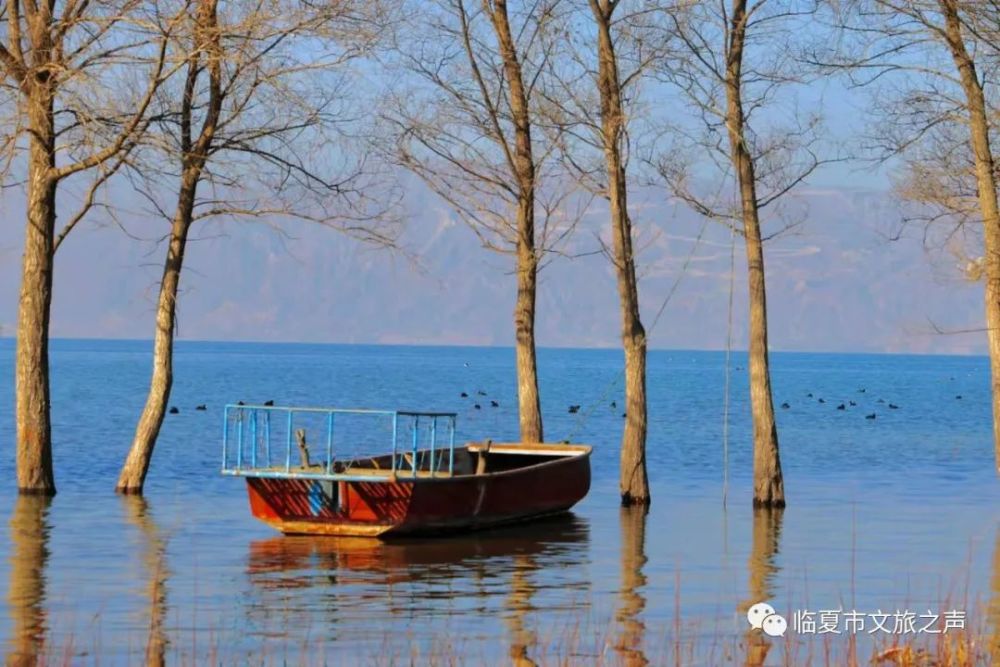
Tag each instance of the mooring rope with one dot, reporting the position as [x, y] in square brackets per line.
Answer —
[729, 350]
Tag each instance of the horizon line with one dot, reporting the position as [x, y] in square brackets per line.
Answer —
[502, 347]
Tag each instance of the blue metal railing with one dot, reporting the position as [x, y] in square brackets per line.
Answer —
[247, 442]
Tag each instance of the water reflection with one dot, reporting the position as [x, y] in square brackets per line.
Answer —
[632, 630]
[497, 572]
[518, 604]
[152, 549]
[29, 554]
[763, 570]
[993, 608]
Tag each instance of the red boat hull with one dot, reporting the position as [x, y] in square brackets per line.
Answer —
[405, 504]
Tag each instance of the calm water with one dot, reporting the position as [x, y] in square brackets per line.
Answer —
[900, 512]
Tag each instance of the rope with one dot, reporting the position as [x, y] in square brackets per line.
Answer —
[582, 419]
[729, 350]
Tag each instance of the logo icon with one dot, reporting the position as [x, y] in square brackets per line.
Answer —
[762, 616]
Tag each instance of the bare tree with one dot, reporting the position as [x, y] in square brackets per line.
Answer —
[633, 480]
[252, 126]
[932, 68]
[464, 121]
[734, 160]
[590, 111]
[57, 62]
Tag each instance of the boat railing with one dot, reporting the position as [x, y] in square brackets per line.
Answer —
[336, 444]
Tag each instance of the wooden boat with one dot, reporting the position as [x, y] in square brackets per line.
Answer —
[426, 488]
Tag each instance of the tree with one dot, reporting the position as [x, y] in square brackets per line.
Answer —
[590, 112]
[633, 480]
[252, 123]
[932, 68]
[464, 121]
[758, 159]
[58, 66]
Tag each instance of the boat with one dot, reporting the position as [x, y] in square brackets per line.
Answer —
[367, 483]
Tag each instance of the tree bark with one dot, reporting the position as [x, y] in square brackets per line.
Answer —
[633, 480]
[769, 490]
[34, 429]
[979, 139]
[133, 473]
[207, 55]
[529, 402]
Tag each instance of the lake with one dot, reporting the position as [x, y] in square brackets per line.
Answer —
[900, 513]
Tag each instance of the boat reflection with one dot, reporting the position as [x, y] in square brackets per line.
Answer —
[632, 631]
[29, 555]
[763, 570]
[152, 555]
[504, 570]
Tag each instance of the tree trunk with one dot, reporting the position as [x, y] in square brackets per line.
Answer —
[194, 154]
[768, 483]
[34, 429]
[133, 472]
[633, 480]
[979, 138]
[529, 402]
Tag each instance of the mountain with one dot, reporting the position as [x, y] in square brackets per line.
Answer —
[835, 282]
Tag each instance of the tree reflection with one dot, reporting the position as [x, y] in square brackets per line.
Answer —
[629, 644]
[763, 549]
[153, 558]
[518, 605]
[29, 554]
[993, 612]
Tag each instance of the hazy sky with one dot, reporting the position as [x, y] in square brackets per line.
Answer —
[835, 284]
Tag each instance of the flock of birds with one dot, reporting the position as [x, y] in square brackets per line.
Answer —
[477, 406]
[174, 410]
[573, 409]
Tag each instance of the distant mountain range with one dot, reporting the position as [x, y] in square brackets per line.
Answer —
[835, 283]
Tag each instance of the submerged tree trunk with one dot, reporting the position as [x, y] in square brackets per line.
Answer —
[34, 430]
[979, 138]
[768, 483]
[206, 55]
[529, 402]
[133, 472]
[633, 480]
